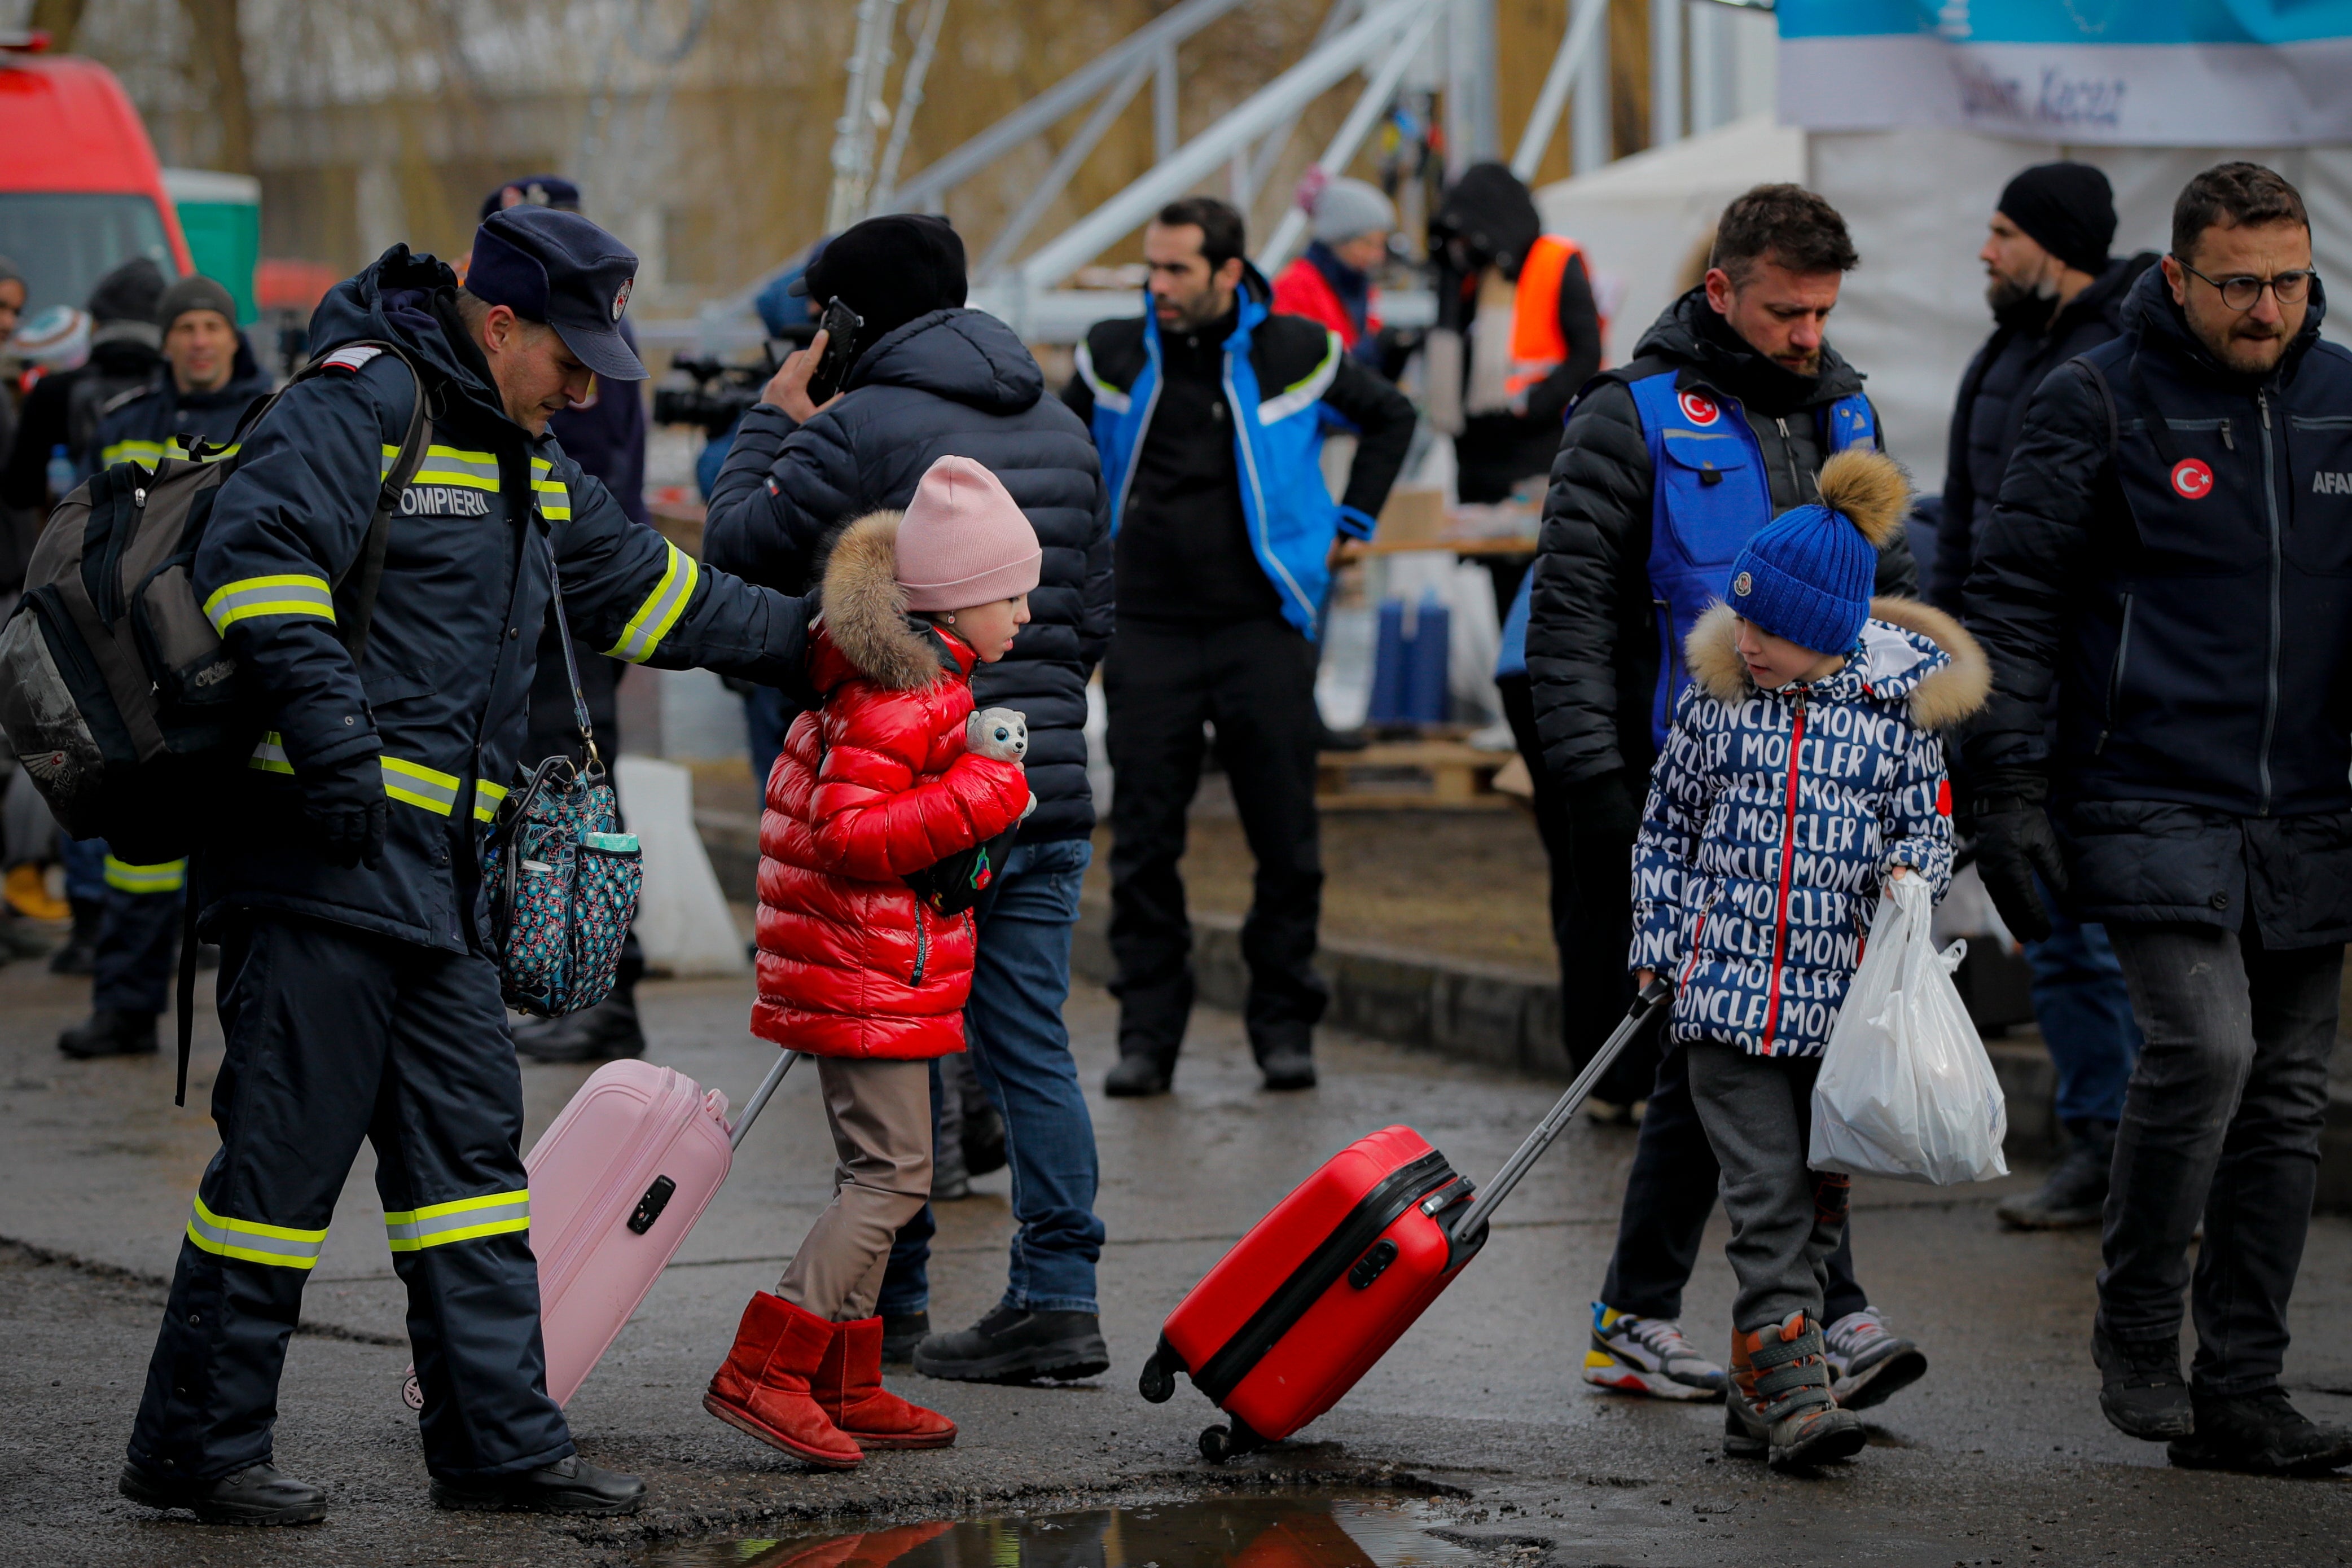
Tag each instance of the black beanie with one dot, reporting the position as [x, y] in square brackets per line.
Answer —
[2068, 209]
[193, 292]
[889, 270]
[129, 293]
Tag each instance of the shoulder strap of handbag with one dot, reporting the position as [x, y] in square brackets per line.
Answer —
[571, 659]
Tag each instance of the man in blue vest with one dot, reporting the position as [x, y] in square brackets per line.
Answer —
[1670, 463]
[2171, 555]
[209, 380]
[1210, 412]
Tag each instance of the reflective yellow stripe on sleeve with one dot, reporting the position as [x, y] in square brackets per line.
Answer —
[150, 452]
[270, 754]
[165, 876]
[486, 797]
[437, 1224]
[286, 594]
[250, 1241]
[660, 611]
[555, 501]
[418, 784]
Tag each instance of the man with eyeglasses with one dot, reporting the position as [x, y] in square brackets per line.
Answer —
[2172, 553]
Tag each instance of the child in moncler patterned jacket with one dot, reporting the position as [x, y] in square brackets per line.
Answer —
[1803, 772]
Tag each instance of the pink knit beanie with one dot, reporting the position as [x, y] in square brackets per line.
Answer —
[962, 541]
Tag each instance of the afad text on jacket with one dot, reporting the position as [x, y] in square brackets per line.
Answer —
[1775, 818]
[873, 785]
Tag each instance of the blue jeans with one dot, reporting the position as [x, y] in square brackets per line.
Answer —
[1022, 1051]
[2085, 1016]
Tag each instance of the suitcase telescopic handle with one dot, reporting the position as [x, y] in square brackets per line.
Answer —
[1654, 996]
[759, 1102]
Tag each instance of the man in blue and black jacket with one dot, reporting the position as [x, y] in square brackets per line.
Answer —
[1210, 412]
[343, 880]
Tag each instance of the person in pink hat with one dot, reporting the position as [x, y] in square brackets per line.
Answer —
[895, 774]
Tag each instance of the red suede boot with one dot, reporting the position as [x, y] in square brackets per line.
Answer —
[848, 1389]
[764, 1388]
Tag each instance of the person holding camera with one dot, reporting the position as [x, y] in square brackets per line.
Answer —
[928, 379]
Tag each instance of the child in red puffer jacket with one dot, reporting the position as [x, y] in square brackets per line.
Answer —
[887, 778]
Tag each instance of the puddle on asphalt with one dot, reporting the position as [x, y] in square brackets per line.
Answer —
[1212, 1532]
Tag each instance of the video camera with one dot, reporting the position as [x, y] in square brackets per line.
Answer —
[713, 394]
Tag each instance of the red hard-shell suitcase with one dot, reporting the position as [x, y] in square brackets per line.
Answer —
[1318, 1290]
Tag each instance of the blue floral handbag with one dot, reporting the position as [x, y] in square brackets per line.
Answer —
[563, 878]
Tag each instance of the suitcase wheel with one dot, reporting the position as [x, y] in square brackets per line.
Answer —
[1158, 1384]
[412, 1393]
[1216, 1444]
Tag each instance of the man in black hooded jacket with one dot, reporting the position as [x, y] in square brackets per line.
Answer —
[2056, 294]
[931, 379]
[1611, 600]
[2171, 559]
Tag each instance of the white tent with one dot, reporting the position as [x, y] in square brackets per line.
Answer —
[1640, 217]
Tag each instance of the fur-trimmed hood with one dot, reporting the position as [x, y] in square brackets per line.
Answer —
[1907, 647]
[865, 620]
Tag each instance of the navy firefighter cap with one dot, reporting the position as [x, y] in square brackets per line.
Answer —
[547, 265]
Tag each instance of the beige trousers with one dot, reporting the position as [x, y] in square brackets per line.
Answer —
[881, 1118]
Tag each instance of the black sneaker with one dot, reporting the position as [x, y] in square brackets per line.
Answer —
[2142, 1392]
[2074, 1193]
[604, 1032]
[256, 1494]
[570, 1485]
[1011, 1345]
[1288, 1070]
[2260, 1434]
[902, 1334]
[109, 1033]
[1137, 1075]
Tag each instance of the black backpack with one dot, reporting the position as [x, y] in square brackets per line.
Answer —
[116, 694]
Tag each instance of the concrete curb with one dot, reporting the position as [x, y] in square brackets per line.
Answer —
[1493, 1014]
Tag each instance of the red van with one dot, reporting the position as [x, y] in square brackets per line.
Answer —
[80, 190]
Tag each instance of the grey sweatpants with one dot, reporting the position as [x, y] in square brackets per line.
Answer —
[881, 1117]
[1785, 1220]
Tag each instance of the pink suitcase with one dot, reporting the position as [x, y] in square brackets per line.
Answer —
[617, 1183]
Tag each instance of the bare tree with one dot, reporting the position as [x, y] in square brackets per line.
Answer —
[221, 48]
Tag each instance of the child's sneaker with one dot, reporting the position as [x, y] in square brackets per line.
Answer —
[1870, 1363]
[1780, 1405]
[1648, 1356]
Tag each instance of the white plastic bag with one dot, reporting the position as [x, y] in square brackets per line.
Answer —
[1905, 1089]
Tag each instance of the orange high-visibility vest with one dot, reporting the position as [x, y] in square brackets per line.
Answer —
[1538, 345]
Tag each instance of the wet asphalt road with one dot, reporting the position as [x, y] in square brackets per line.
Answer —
[2000, 1456]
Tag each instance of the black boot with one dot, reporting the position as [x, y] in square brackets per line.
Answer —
[601, 1033]
[257, 1494]
[2260, 1434]
[2075, 1190]
[1010, 1346]
[568, 1486]
[79, 955]
[983, 1139]
[1289, 1067]
[2142, 1392]
[1141, 1071]
[902, 1334]
[107, 1033]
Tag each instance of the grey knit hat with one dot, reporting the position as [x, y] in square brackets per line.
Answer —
[193, 292]
[1346, 208]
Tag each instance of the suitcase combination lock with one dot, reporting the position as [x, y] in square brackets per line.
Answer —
[650, 1206]
[1372, 1264]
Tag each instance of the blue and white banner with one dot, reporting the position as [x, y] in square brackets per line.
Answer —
[2147, 73]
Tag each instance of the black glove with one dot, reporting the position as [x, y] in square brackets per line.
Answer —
[1605, 816]
[2014, 841]
[346, 810]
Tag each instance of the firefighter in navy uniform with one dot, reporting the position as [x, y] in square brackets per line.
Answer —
[344, 880]
[210, 379]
